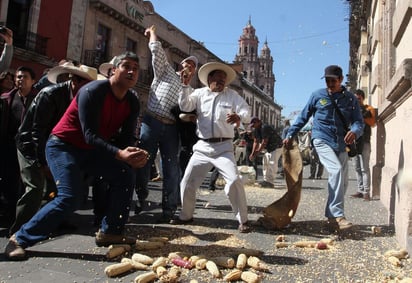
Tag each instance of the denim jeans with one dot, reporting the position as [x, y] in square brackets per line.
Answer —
[363, 173]
[336, 163]
[68, 164]
[155, 135]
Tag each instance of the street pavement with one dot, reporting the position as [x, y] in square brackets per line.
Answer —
[355, 256]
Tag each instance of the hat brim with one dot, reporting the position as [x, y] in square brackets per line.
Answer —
[104, 69]
[213, 66]
[58, 70]
[191, 58]
[330, 76]
[187, 117]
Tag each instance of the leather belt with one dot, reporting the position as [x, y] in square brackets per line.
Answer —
[164, 120]
[216, 139]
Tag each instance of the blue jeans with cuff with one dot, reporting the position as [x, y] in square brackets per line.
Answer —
[156, 135]
[336, 163]
[68, 164]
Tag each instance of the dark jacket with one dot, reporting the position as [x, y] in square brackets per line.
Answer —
[14, 112]
[43, 114]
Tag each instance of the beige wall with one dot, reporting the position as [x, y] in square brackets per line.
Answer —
[393, 89]
[389, 39]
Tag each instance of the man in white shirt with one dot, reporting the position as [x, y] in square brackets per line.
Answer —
[219, 109]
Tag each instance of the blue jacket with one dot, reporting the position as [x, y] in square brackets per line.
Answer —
[327, 124]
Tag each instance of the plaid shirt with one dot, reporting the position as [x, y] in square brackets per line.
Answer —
[165, 88]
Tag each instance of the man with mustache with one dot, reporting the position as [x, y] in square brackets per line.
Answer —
[219, 110]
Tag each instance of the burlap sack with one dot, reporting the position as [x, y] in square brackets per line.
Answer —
[280, 213]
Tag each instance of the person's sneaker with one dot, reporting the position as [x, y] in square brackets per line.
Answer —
[311, 177]
[105, 240]
[13, 250]
[266, 184]
[139, 206]
[357, 195]
[165, 219]
[343, 223]
[244, 228]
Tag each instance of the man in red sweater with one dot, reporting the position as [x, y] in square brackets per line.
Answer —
[80, 142]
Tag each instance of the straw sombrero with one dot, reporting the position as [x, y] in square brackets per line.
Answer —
[86, 72]
[212, 66]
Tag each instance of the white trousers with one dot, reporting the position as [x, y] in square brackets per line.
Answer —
[222, 158]
[270, 165]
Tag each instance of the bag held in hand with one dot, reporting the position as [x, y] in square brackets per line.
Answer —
[351, 150]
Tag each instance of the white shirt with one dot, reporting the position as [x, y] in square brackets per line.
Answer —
[212, 108]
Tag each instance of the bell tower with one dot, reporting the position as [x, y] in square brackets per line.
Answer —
[256, 69]
[248, 53]
[266, 80]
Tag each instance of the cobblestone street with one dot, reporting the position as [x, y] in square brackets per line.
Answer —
[355, 256]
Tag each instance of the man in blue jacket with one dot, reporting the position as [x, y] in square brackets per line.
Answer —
[330, 137]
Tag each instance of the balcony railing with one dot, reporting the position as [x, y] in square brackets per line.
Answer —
[31, 42]
[94, 58]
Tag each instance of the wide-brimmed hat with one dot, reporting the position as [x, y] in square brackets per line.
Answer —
[100, 77]
[213, 66]
[187, 117]
[191, 58]
[104, 68]
[83, 71]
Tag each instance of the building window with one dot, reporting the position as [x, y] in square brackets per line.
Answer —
[131, 45]
[18, 20]
[102, 41]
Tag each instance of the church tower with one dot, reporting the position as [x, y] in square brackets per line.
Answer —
[256, 69]
[266, 80]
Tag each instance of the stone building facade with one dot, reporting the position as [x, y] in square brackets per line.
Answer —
[381, 64]
[93, 31]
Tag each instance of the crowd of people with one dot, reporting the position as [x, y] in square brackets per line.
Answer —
[78, 123]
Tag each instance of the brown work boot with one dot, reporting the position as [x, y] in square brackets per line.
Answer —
[357, 195]
[343, 223]
[13, 250]
[105, 240]
[340, 222]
